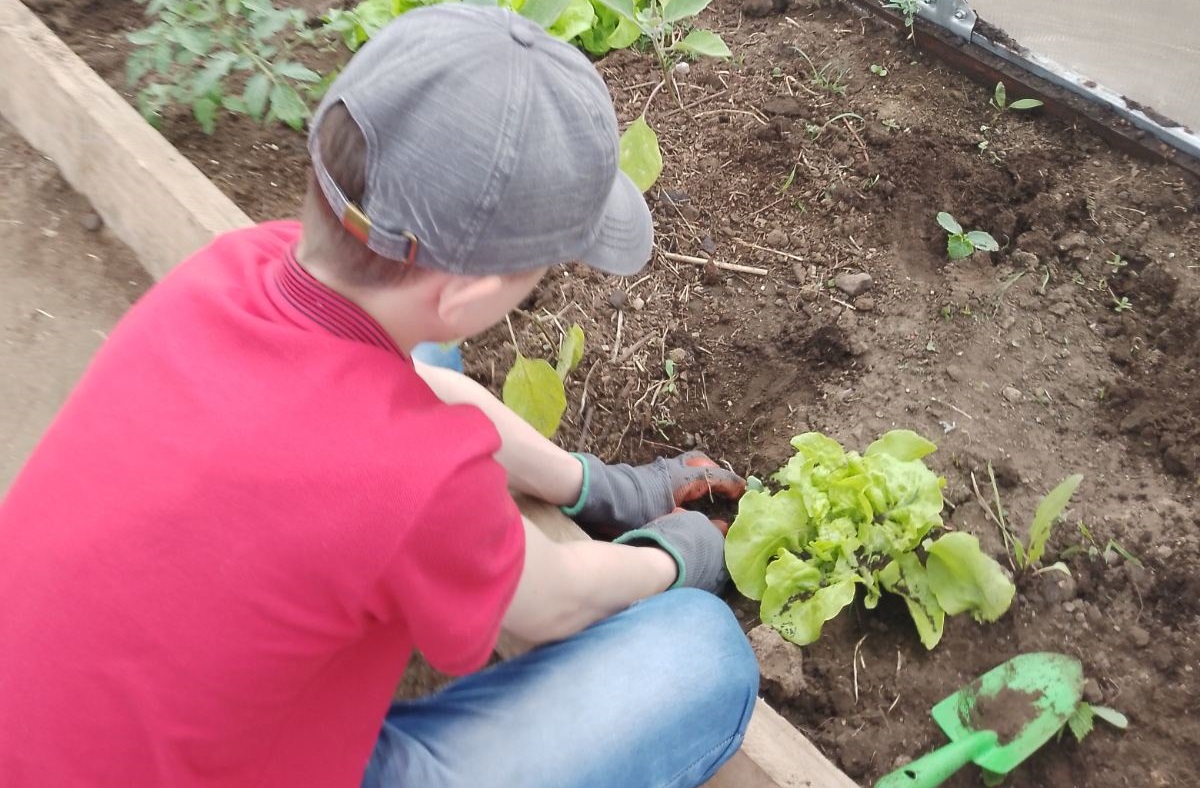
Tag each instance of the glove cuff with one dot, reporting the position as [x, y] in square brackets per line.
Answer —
[574, 509]
[644, 537]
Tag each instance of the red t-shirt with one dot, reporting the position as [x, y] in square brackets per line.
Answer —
[217, 562]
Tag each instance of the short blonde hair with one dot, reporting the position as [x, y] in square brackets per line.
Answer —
[327, 242]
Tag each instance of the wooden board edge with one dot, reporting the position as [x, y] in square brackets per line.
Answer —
[150, 196]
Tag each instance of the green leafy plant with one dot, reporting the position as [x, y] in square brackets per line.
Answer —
[1122, 304]
[563, 19]
[841, 521]
[878, 70]
[961, 244]
[1025, 556]
[214, 55]
[999, 100]
[536, 391]
[908, 11]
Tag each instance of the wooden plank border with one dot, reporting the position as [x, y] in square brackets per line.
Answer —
[151, 197]
[164, 208]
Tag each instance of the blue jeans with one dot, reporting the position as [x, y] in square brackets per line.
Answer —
[657, 695]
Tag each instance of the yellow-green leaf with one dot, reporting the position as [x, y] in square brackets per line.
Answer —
[1047, 512]
[570, 352]
[703, 43]
[533, 390]
[641, 159]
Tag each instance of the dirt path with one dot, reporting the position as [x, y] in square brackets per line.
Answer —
[62, 287]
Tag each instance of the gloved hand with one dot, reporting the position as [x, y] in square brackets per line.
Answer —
[696, 543]
[618, 498]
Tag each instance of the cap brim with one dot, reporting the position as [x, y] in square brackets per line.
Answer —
[626, 234]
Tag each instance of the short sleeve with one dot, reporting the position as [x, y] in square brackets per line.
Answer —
[457, 566]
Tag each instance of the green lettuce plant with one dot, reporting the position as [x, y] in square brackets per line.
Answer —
[841, 522]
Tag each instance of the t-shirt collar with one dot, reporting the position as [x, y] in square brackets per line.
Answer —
[327, 308]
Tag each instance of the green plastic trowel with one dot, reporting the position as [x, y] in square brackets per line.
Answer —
[999, 719]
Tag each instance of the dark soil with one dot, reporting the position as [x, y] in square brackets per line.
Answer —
[1007, 713]
[1018, 359]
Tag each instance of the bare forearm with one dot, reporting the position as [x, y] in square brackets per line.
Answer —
[566, 587]
[535, 465]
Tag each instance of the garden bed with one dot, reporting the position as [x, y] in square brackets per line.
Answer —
[1018, 358]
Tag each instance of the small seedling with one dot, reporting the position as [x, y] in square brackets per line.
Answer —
[536, 391]
[1000, 100]
[672, 371]
[906, 9]
[890, 123]
[1122, 304]
[827, 77]
[1081, 722]
[1116, 262]
[1025, 556]
[1094, 551]
[788, 181]
[961, 244]
[878, 70]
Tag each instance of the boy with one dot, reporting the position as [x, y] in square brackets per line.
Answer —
[254, 506]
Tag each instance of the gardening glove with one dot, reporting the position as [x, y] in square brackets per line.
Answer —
[618, 498]
[696, 543]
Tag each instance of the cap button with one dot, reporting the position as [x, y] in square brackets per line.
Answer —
[523, 31]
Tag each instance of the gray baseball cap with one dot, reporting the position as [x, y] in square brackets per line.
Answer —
[492, 148]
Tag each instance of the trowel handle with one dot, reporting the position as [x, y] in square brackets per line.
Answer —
[933, 769]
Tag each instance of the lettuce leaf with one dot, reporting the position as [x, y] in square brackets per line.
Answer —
[765, 523]
[964, 579]
[795, 602]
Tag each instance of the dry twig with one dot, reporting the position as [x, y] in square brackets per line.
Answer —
[741, 269]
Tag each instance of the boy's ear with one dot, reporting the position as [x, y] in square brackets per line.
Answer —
[459, 294]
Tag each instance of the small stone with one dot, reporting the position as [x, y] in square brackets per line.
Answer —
[618, 298]
[1071, 241]
[777, 238]
[1139, 636]
[760, 8]
[678, 355]
[1011, 394]
[708, 244]
[955, 373]
[1061, 309]
[786, 106]
[1092, 692]
[800, 273]
[779, 661]
[853, 284]
[637, 302]
[674, 197]
[682, 68]
[864, 304]
[92, 222]
[1024, 259]
[1057, 587]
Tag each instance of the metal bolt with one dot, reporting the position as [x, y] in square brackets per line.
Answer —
[959, 14]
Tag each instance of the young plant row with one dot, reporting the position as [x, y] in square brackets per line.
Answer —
[238, 56]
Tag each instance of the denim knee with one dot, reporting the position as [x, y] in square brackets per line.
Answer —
[703, 630]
